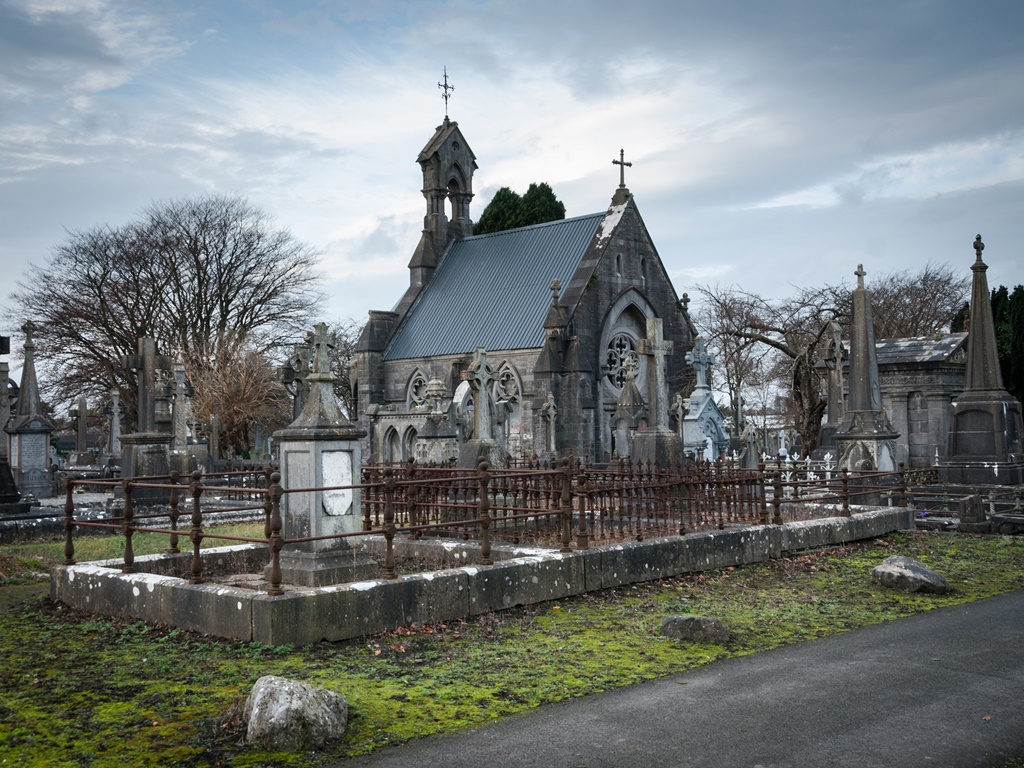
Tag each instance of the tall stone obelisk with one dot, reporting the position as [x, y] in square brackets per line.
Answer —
[985, 439]
[865, 435]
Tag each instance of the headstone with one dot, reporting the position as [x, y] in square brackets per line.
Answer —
[114, 412]
[9, 494]
[865, 435]
[480, 377]
[30, 431]
[290, 716]
[657, 442]
[703, 423]
[145, 452]
[985, 441]
[320, 450]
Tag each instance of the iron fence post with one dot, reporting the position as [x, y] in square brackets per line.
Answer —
[69, 525]
[128, 528]
[484, 507]
[172, 544]
[196, 534]
[274, 540]
[777, 498]
[566, 505]
[389, 523]
[845, 475]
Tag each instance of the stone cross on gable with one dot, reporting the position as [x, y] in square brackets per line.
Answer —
[145, 363]
[701, 360]
[480, 376]
[657, 348]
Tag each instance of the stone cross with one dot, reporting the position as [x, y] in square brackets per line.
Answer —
[782, 443]
[679, 409]
[657, 348]
[145, 363]
[114, 441]
[480, 376]
[700, 359]
[549, 412]
[81, 415]
[322, 346]
[860, 273]
[978, 246]
[180, 389]
[621, 162]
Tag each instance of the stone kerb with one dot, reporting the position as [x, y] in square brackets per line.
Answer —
[307, 614]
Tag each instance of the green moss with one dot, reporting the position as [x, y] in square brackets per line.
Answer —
[87, 690]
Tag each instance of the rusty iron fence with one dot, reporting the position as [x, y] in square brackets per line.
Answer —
[567, 505]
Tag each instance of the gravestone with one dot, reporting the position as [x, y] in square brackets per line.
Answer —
[114, 411]
[657, 442]
[30, 431]
[320, 450]
[703, 423]
[82, 456]
[480, 377]
[9, 494]
[865, 435]
[145, 451]
[985, 441]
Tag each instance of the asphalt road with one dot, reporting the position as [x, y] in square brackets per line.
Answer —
[944, 688]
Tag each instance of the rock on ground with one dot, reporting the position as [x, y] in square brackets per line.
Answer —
[289, 716]
[908, 575]
[695, 629]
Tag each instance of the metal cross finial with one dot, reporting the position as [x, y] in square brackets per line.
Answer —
[860, 275]
[978, 246]
[446, 88]
[621, 162]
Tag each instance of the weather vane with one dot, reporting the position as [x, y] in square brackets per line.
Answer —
[446, 88]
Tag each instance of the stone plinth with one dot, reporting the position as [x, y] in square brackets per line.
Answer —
[144, 454]
[320, 453]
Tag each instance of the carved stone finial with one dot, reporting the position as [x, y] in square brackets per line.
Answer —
[29, 328]
[978, 246]
[860, 275]
[556, 289]
[684, 303]
[322, 346]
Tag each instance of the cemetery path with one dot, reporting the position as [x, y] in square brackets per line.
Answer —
[943, 688]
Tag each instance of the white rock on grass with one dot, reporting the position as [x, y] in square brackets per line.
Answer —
[908, 575]
[288, 716]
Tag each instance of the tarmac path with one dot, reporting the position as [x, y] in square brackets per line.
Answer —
[943, 688]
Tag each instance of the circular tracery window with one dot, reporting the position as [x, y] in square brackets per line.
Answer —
[620, 358]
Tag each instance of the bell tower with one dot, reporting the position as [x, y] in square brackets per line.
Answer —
[448, 165]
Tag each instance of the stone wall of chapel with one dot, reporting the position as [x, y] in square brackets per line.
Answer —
[917, 399]
[630, 260]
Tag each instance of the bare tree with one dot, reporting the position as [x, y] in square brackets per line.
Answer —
[240, 385]
[191, 273]
[749, 323]
[906, 304]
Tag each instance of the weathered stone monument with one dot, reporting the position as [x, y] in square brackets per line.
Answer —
[114, 411]
[30, 431]
[9, 494]
[480, 377]
[144, 452]
[985, 439]
[320, 452]
[657, 442]
[865, 436]
[630, 412]
[702, 427]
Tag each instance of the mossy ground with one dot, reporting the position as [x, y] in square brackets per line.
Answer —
[83, 690]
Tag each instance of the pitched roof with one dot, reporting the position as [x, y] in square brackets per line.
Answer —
[492, 291]
[919, 349]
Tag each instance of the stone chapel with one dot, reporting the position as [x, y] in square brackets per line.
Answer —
[563, 323]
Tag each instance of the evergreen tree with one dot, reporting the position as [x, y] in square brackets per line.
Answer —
[507, 210]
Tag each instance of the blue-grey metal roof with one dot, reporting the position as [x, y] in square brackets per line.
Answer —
[493, 291]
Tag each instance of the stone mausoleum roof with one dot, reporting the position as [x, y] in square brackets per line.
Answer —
[493, 291]
[920, 349]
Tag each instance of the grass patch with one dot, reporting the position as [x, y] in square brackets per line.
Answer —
[86, 690]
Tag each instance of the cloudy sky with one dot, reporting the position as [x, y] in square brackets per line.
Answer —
[773, 143]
